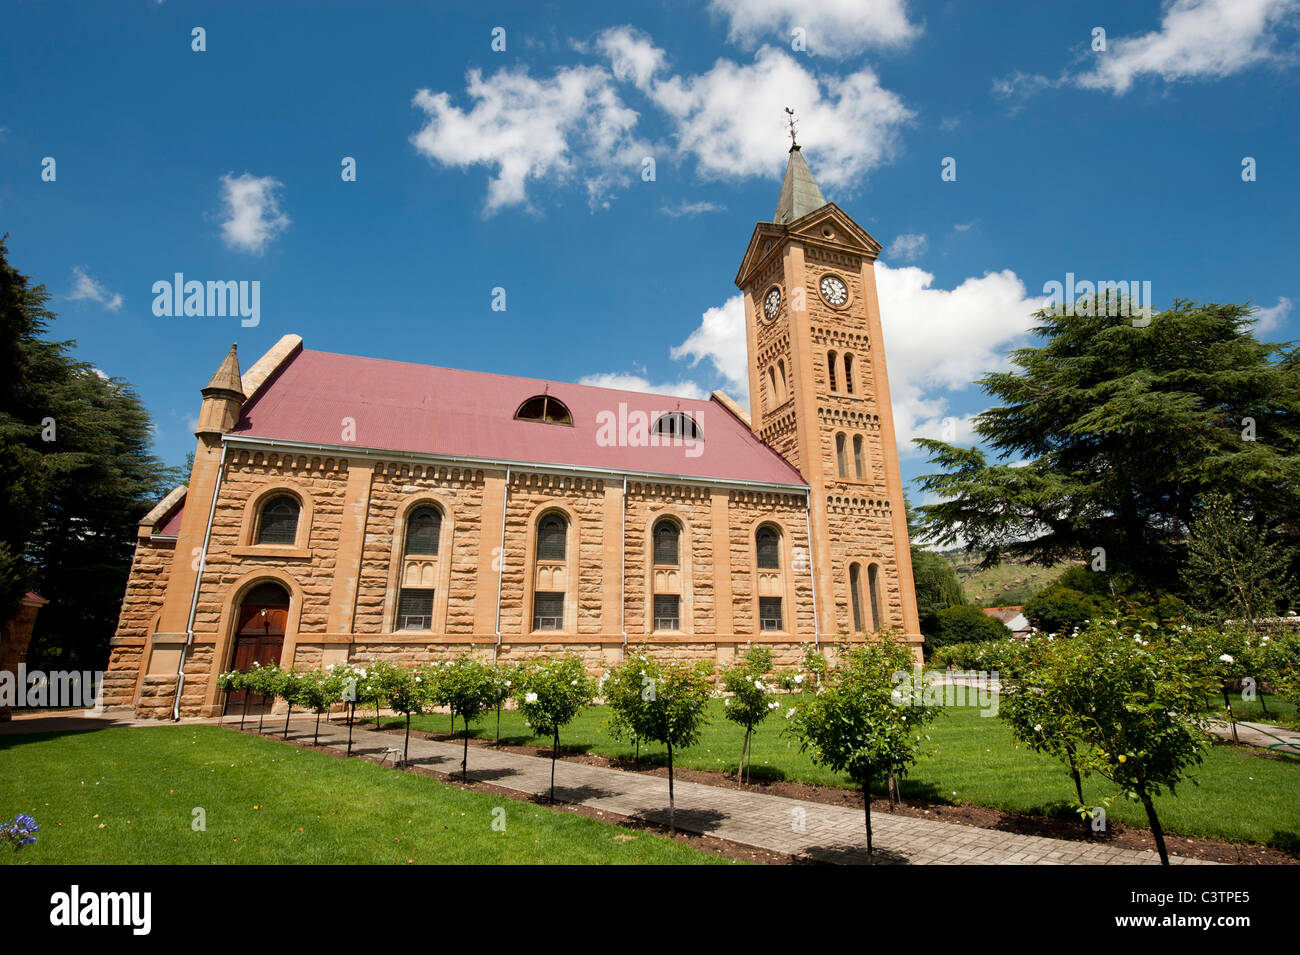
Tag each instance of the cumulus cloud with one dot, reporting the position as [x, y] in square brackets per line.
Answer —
[908, 246]
[721, 340]
[625, 381]
[1267, 319]
[86, 288]
[729, 121]
[937, 342]
[831, 27]
[251, 211]
[1196, 40]
[529, 129]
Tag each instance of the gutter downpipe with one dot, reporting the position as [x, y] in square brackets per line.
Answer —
[198, 580]
[501, 563]
[812, 567]
[622, 582]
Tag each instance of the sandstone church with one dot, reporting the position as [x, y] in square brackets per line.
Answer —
[345, 508]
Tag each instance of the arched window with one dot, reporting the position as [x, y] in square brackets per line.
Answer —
[873, 589]
[423, 529]
[551, 537]
[279, 520]
[855, 595]
[830, 370]
[666, 537]
[771, 379]
[841, 460]
[768, 545]
[859, 458]
[546, 409]
[678, 425]
[551, 577]
[780, 367]
[848, 373]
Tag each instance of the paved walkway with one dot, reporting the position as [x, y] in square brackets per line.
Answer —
[789, 826]
[1279, 739]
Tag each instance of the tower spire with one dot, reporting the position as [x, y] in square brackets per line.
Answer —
[800, 193]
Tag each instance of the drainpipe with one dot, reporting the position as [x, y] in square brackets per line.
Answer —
[501, 563]
[622, 580]
[812, 568]
[198, 580]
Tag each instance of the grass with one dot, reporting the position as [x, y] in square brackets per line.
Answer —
[1241, 795]
[127, 795]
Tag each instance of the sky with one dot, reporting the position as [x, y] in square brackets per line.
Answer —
[392, 174]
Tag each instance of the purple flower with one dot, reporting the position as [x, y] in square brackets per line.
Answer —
[19, 831]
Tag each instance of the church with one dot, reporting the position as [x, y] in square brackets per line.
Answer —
[347, 509]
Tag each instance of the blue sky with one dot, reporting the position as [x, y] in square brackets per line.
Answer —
[521, 169]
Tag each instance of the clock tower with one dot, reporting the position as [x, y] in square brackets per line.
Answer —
[819, 395]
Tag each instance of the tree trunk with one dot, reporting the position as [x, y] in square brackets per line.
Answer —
[378, 725]
[672, 806]
[286, 722]
[866, 802]
[555, 751]
[244, 711]
[261, 714]
[637, 758]
[315, 740]
[1262, 705]
[406, 746]
[1227, 702]
[351, 714]
[498, 724]
[893, 791]
[1155, 828]
[464, 756]
[744, 748]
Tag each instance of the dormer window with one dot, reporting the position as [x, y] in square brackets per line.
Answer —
[546, 409]
[678, 425]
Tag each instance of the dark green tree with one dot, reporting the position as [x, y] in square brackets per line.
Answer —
[76, 477]
[935, 578]
[1110, 434]
[1234, 569]
[966, 624]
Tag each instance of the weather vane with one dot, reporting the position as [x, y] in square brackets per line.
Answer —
[789, 112]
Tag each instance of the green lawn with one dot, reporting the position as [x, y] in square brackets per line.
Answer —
[1242, 796]
[127, 796]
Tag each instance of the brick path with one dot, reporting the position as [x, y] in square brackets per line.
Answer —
[775, 823]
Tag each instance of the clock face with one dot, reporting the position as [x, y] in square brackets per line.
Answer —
[834, 290]
[772, 302]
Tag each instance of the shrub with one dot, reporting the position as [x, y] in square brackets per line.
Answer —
[858, 723]
[966, 624]
[550, 694]
[752, 699]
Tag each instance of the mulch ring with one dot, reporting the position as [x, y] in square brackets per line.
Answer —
[1029, 824]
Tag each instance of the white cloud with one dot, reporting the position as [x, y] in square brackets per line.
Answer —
[731, 119]
[85, 287]
[1197, 40]
[831, 27]
[937, 342]
[629, 382]
[964, 226]
[908, 247]
[532, 130]
[721, 339]
[252, 214]
[1267, 319]
[684, 208]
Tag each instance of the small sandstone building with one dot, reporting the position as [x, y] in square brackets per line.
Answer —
[346, 508]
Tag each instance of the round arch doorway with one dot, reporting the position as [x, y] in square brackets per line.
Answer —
[259, 635]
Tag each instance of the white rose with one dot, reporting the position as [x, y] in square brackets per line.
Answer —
[530, 697]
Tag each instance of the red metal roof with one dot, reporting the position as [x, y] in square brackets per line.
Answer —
[401, 406]
[172, 526]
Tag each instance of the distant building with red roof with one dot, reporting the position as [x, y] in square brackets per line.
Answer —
[351, 508]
